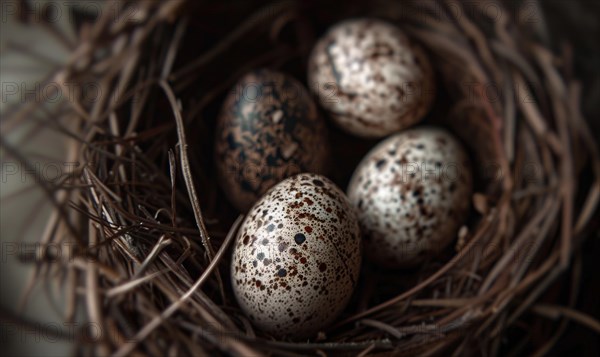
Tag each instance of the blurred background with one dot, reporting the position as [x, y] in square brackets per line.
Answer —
[28, 55]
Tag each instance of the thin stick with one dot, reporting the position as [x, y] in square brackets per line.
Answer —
[128, 347]
[185, 168]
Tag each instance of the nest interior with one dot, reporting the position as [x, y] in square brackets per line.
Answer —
[146, 206]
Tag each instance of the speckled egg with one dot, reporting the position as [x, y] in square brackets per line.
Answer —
[371, 78]
[269, 129]
[297, 257]
[412, 193]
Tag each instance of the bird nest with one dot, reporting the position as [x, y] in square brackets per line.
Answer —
[150, 233]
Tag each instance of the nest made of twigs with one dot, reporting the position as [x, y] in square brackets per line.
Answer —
[152, 231]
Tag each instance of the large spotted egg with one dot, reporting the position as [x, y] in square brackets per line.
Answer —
[269, 129]
[297, 257]
[411, 193]
[371, 78]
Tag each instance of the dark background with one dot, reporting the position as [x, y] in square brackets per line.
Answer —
[578, 22]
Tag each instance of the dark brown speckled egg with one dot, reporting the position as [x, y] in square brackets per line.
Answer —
[297, 256]
[269, 129]
[412, 192]
[371, 78]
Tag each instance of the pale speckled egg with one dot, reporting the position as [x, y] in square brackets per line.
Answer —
[297, 256]
[269, 129]
[412, 193]
[371, 78]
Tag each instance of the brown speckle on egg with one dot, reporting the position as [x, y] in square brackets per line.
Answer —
[411, 194]
[371, 78]
[318, 261]
[268, 129]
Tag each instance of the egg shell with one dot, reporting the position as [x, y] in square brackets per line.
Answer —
[412, 193]
[297, 257]
[269, 129]
[371, 78]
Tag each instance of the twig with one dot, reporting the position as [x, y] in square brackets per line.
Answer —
[152, 325]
